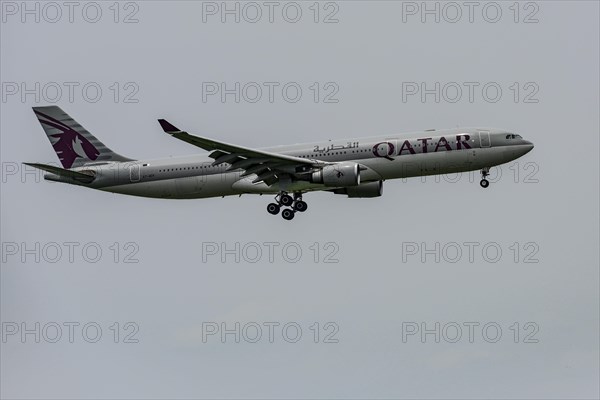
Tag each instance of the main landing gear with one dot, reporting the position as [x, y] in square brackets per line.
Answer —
[484, 182]
[283, 199]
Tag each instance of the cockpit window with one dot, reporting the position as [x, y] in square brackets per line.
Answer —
[513, 136]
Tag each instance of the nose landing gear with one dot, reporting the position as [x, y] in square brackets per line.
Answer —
[484, 183]
[283, 199]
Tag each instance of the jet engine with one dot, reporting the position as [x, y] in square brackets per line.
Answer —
[342, 174]
[366, 190]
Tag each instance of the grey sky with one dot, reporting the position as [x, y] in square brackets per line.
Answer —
[546, 202]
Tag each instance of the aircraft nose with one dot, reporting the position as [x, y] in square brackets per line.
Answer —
[519, 150]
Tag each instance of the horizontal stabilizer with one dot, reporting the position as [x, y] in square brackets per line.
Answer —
[78, 176]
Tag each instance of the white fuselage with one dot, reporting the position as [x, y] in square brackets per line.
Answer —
[380, 158]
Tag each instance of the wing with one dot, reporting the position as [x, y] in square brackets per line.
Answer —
[269, 167]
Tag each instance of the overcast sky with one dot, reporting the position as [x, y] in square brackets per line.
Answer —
[401, 262]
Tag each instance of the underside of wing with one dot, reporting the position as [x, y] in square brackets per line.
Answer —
[268, 167]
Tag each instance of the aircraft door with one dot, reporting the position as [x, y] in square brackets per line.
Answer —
[134, 173]
[484, 138]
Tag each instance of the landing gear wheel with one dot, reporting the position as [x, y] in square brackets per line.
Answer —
[300, 205]
[273, 208]
[287, 214]
[286, 200]
[484, 183]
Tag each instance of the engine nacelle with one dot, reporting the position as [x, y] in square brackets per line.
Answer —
[342, 174]
[366, 190]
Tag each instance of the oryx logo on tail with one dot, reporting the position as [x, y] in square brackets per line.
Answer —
[73, 144]
[68, 144]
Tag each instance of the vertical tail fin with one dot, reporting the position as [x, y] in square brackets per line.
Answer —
[73, 144]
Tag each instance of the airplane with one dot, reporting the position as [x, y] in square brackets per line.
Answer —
[354, 167]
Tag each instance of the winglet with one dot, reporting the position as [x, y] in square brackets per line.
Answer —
[168, 127]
